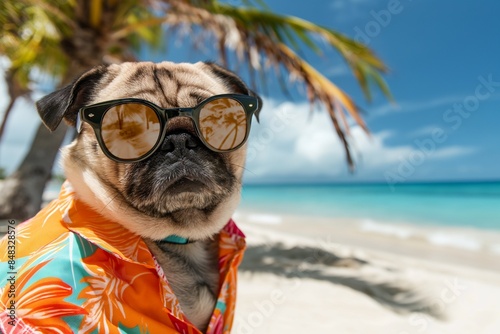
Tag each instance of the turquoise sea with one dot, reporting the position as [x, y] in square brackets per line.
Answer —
[466, 204]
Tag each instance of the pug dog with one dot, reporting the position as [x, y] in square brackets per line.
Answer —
[161, 151]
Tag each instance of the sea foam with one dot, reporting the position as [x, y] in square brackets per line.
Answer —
[266, 219]
[368, 225]
[442, 238]
[495, 249]
[454, 240]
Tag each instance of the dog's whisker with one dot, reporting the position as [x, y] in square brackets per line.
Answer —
[109, 202]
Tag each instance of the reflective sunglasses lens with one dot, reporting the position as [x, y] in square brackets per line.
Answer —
[130, 131]
[223, 123]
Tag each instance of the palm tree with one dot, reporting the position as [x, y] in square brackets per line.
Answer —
[16, 89]
[60, 39]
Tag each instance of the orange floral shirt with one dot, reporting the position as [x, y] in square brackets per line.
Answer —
[70, 270]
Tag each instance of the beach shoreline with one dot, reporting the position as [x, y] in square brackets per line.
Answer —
[464, 246]
[329, 274]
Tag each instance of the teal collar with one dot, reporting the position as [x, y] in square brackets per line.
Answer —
[175, 239]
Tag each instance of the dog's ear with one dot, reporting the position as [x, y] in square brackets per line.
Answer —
[233, 83]
[65, 102]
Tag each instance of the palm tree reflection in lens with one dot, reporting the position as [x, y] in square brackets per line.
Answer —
[130, 130]
[223, 123]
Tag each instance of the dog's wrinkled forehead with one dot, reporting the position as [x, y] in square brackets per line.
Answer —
[165, 84]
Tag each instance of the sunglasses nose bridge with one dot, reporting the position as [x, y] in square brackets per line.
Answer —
[180, 119]
[175, 112]
[176, 116]
[188, 112]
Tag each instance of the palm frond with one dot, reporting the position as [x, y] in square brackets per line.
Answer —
[48, 35]
[95, 14]
[287, 29]
[262, 37]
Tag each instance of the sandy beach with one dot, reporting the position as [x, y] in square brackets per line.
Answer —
[312, 275]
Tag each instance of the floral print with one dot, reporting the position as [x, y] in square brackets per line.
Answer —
[80, 272]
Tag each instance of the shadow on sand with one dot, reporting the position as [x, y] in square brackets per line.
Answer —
[385, 284]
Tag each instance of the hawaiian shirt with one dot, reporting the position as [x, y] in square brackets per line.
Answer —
[70, 269]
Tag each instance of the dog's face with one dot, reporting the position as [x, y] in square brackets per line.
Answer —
[183, 188]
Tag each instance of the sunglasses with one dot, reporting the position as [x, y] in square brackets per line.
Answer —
[130, 130]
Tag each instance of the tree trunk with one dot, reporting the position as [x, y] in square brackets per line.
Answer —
[22, 191]
[15, 90]
[6, 115]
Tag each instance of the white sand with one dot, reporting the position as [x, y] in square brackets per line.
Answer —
[317, 276]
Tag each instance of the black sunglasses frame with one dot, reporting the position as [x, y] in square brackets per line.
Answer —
[94, 114]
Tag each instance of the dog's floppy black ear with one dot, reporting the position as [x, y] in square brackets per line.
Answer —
[65, 102]
[234, 83]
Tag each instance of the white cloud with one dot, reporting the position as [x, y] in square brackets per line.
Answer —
[452, 152]
[412, 106]
[427, 130]
[339, 4]
[290, 145]
[20, 129]
[22, 123]
[337, 70]
[349, 10]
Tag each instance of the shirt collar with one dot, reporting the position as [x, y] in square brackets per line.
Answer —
[114, 238]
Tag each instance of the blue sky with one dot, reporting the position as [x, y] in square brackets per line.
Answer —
[442, 54]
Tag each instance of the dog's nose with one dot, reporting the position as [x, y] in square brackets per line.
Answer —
[180, 142]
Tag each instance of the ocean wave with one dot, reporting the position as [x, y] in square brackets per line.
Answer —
[495, 249]
[369, 225]
[460, 239]
[259, 218]
[455, 240]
